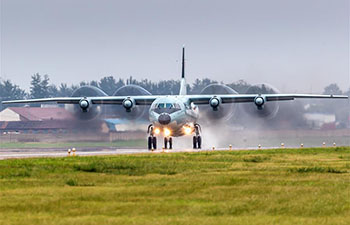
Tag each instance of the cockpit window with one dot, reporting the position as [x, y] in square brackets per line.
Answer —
[167, 107]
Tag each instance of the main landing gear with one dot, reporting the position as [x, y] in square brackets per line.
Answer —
[168, 141]
[152, 140]
[197, 139]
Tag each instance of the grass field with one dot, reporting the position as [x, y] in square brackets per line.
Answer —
[283, 186]
[119, 143]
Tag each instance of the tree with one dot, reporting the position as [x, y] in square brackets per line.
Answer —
[94, 83]
[10, 91]
[108, 85]
[53, 91]
[119, 84]
[39, 86]
[332, 89]
[199, 85]
[64, 90]
[83, 83]
[240, 86]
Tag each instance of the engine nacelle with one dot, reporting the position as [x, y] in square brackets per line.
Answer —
[214, 102]
[261, 108]
[215, 110]
[85, 110]
[259, 101]
[84, 104]
[128, 104]
[129, 109]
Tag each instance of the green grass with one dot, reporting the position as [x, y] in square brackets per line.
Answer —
[282, 186]
[121, 143]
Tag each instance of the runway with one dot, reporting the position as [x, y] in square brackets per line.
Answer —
[93, 151]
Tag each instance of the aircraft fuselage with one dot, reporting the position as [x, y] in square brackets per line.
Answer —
[173, 113]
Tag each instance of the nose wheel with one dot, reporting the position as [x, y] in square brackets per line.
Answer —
[168, 140]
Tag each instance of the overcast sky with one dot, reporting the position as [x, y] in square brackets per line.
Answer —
[295, 45]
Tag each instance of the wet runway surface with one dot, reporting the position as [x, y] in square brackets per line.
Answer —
[91, 151]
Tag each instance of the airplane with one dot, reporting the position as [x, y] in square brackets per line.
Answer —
[175, 115]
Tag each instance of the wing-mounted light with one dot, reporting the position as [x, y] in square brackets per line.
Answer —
[128, 104]
[214, 102]
[84, 104]
[259, 101]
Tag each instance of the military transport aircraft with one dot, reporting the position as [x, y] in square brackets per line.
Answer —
[172, 115]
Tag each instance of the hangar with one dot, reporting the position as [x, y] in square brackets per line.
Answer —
[34, 114]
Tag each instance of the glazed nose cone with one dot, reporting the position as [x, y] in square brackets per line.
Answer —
[164, 119]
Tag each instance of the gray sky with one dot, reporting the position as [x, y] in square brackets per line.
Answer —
[295, 45]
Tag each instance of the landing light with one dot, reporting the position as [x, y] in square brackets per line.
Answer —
[188, 130]
[167, 132]
[156, 131]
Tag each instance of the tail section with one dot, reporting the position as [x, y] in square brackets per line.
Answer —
[183, 85]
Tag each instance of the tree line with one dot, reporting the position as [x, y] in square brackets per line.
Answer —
[40, 87]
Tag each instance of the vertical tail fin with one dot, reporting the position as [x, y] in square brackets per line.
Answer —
[183, 63]
[183, 85]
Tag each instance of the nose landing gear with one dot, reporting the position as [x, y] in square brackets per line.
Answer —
[168, 140]
[197, 139]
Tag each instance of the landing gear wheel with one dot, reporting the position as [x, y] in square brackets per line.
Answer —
[170, 143]
[194, 142]
[150, 143]
[165, 142]
[154, 142]
[199, 142]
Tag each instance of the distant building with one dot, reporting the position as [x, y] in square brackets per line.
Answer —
[35, 120]
[320, 120]
[47, 126]
[32, 120]
[34, 114]
[122, 125]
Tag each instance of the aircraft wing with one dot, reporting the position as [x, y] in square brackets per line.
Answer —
[238, 98]
[197, 99]
[116, 100]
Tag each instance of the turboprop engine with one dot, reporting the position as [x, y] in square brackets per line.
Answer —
[85, 110]
[130, 110]
[215, 110]
[261, 108]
